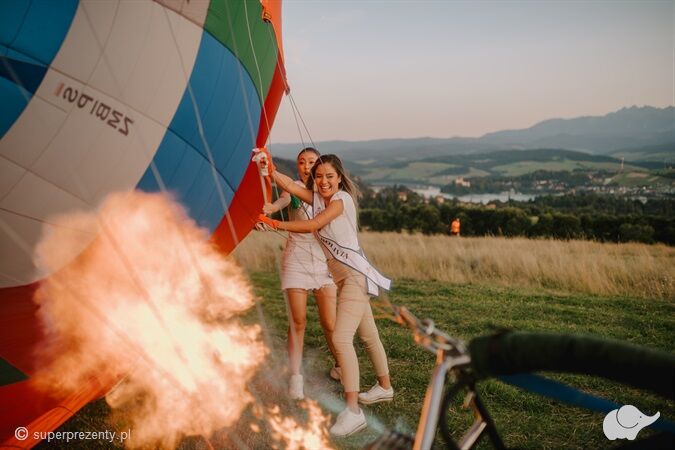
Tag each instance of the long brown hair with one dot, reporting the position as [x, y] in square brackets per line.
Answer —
[347, 184]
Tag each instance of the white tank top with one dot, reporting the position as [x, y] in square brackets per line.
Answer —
[342, 229]
[339, 239]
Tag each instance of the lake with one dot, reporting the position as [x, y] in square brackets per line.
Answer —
[432, 191]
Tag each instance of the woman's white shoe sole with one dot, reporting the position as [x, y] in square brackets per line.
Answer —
[356, 430]
[372, 402]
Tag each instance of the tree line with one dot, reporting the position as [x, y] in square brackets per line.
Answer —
[587, 216]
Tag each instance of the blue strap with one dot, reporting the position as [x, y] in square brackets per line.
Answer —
[566, 394]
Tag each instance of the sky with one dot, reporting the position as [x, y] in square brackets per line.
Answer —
[361, 70]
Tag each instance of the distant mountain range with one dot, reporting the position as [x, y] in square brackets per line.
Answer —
[636, 133]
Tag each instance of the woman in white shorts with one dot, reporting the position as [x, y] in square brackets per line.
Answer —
[304, 269]
[334, 223]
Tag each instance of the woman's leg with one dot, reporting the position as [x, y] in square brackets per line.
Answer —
[352, 301]
[297, 320]
[371, 340]
[326, 301]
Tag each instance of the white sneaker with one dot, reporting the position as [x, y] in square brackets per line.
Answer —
[335, 373]
[376, 394]
[295, 388]
[348, 423]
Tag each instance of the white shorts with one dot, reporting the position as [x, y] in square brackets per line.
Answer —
[304, 267]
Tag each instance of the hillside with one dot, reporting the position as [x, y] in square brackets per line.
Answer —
[655, 156]
[442, 170]
[629, 128]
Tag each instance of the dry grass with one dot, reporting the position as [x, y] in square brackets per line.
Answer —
[645, 271]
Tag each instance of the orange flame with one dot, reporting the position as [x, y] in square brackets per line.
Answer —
[289, 434]
[152, 299]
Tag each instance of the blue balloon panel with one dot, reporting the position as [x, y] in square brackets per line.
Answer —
[222, 128]
[31, 33]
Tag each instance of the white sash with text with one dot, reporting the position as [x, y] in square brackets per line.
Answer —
[353, 258]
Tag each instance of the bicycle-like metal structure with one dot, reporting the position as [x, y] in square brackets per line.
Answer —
[508, 353]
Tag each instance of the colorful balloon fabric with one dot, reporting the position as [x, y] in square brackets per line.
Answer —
[105, 96]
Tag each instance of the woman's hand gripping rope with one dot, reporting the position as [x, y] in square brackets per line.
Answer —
[266, 224]
[263, 158]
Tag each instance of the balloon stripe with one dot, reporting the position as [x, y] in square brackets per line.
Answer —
[182, 159]
[228, 24]
[43, 29]
[31, 34]
[174, 85]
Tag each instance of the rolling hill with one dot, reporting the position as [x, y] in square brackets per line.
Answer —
[636, 131]
[441, 170]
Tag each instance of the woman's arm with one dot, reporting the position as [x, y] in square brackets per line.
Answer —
[283, 201]
[333, 210]
[287, 184]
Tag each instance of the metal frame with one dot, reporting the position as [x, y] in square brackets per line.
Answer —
[452, 359]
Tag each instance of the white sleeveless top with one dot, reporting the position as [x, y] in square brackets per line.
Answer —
[343, 229]
[339, 240]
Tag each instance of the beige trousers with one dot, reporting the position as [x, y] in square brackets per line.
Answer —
[354, 314]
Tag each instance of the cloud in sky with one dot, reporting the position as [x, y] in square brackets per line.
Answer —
[384, 69]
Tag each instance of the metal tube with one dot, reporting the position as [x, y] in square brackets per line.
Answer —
[426, 430]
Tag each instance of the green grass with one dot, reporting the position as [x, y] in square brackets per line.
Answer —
[633, 179]
[419, 173]
[465, 311]
[412, 171]
[524, 420]
[472, 172]
[522, 167]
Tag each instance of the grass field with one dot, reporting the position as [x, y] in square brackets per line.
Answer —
[465, 308]
[441, 180]
[467, 311]
[645, 271]
[633, 179]
[417, 173]
[522, 167]
[420, 171]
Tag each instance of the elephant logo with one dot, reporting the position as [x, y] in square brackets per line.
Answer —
[626, 422]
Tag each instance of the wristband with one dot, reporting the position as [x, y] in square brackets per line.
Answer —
[274, 224]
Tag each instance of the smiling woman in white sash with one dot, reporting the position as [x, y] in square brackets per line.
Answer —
[334, 223]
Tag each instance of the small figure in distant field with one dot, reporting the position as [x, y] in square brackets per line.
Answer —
[454, 227]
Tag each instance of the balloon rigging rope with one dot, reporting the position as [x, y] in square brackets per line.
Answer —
[296, 108]
[101, 314]
[297, 115]
[263, 186]
[385, 309]
[257, 66]
[200, 128]
[96, 311]
[287, 303]
[104, 228]
[117, 248]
